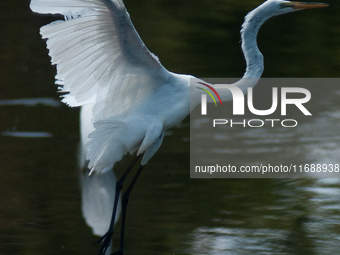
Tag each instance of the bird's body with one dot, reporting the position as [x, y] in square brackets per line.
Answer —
[141, 129]
[128, 98]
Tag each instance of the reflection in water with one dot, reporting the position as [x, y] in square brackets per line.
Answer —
[236, 241]
[303, 221]
[23, 134]
[97, 193]
[31, 102]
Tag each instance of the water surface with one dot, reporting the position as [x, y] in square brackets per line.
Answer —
[41, 208]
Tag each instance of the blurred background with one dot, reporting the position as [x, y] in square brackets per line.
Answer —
[169, 213]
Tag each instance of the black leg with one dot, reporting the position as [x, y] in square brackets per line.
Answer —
[106, 239]
[125, 200]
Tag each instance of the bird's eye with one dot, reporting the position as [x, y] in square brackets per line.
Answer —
[282, 5]
[285, 5]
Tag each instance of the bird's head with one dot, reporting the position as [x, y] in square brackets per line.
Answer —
[271, 8]
[277, 7]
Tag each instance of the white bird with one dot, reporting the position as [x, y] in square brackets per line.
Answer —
[128, 98]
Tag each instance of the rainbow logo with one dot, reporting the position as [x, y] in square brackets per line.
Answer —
[209, 93]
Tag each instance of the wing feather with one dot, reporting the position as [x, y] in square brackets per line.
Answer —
[66, 7]
[100, 57]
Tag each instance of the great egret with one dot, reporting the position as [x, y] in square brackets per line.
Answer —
[128, 98]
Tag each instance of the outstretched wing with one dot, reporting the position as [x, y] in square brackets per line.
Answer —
[99, 55]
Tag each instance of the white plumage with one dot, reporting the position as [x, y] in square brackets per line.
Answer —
[101, 61]
[103, 65]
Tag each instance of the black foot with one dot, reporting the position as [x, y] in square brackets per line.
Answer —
[105, 240]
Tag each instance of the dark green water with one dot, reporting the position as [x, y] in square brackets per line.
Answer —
[169, 213]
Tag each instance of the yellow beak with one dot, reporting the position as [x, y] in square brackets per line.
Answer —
[305, 5]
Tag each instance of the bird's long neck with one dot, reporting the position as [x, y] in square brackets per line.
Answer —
[252, 54]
